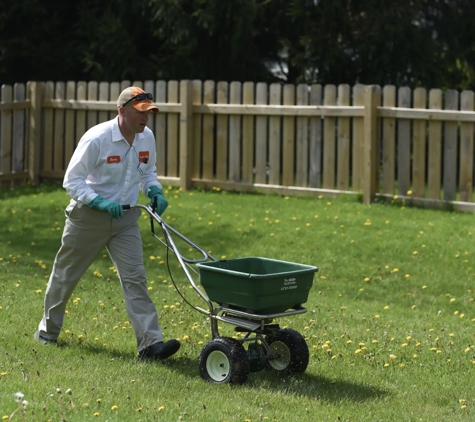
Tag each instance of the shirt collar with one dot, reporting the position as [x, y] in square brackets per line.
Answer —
[117, 134]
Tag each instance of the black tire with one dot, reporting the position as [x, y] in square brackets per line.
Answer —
[224, 360]
[290, 349]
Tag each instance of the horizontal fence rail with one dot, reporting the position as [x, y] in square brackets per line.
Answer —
[272, 138]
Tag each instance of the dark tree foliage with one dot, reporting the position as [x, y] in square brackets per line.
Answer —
[428, 43]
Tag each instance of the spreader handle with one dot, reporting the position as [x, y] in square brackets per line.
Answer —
[126, 207]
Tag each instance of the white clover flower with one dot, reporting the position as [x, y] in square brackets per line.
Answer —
[68, 391]
[24, 403]
[19, 397]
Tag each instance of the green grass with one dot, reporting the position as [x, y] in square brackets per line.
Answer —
[390, 322]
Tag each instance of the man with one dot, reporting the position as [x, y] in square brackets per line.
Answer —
[112, 161]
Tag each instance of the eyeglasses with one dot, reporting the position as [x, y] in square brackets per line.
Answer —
[140, 97]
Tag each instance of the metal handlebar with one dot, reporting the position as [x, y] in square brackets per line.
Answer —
[166, 229]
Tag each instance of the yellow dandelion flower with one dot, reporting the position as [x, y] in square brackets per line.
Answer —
[96, 413]
[161, 408]
[115, 407]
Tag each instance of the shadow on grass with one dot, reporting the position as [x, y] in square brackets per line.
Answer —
[314, 386]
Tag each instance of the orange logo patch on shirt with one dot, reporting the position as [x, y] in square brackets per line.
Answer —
[113, 159]
[144, 156]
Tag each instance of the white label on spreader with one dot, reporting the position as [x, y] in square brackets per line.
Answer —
[289, 284]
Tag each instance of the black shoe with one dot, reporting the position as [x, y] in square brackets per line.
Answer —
[43, 340]
[160, 350]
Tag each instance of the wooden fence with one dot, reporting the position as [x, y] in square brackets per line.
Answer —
[286, 139]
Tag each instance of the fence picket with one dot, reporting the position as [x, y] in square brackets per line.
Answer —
[343, 145]
[92, 96]
[466, 150]
[47, 165]
[6, 131]
[357, 133]
[58, 142]
[419, 146]
[172, 131]
[197, 129]
[235, 135]
[248, 140]
[103, 116]
[18, 147]
[435, 148]
[389, 142]
[114, 95]
[222, 134]
[271, 140]
[81, 117]
[261, 139]
[315, 140]
[329, 128]
[69, 138]
[450, 148]
[404, 144]
[301, 153]
[288, 138]
[161, 129]
[208, 131]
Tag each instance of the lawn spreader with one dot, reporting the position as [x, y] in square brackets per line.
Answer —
[250, 293]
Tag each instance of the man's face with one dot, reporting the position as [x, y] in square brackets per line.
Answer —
[133, 119]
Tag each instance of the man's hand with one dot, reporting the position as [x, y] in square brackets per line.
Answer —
[159, 203]
[112, 207]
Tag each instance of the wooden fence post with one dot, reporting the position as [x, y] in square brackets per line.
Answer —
[371, 152]
[186, 134]
[34, 135]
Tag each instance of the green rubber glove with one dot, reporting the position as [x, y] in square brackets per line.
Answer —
[159, 203]
[112, 207]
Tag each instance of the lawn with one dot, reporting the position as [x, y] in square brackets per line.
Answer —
[390, 324]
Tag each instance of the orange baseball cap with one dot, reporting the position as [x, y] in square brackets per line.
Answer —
[139, 99]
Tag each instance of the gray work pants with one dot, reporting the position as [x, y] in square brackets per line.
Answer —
[85, 233]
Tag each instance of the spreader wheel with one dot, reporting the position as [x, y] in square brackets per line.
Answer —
[224, 360]
[289, 351]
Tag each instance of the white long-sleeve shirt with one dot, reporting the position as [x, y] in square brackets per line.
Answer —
[105, 164]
